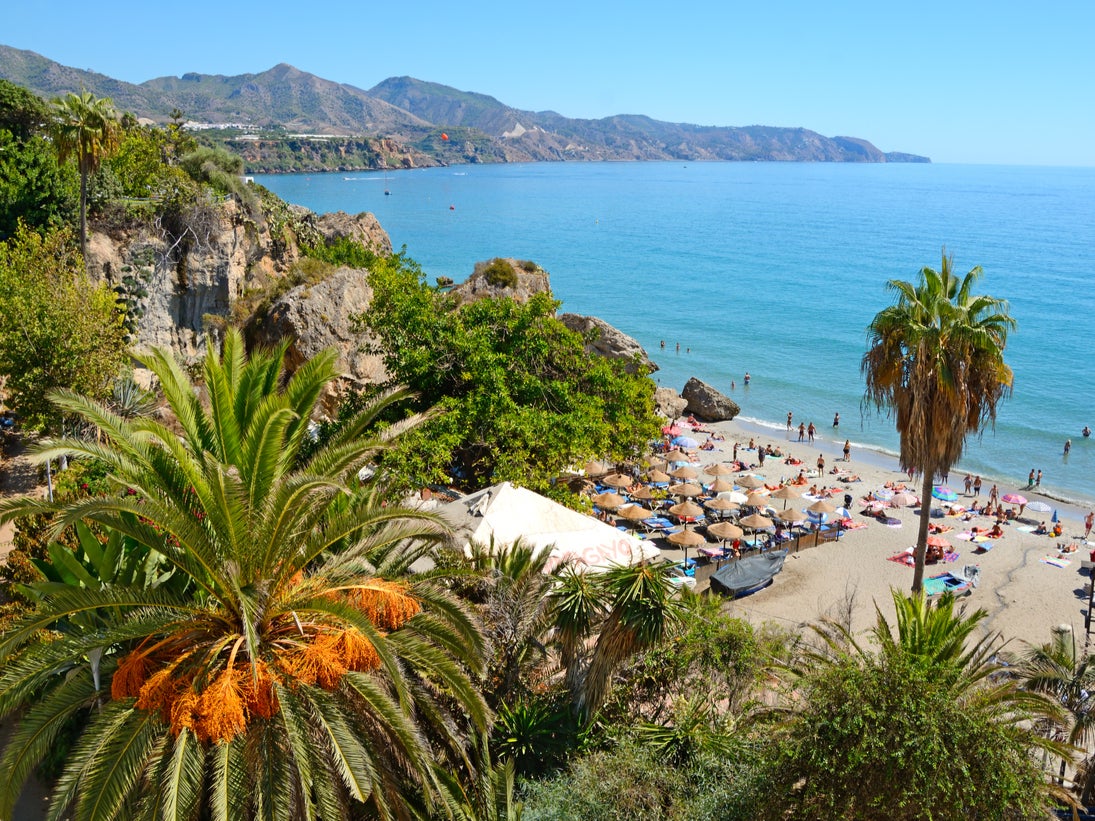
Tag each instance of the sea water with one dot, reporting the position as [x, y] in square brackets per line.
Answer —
[777, 269]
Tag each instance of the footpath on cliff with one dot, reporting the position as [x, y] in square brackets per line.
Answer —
[18, 477]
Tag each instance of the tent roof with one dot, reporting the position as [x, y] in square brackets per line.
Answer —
[504, 513]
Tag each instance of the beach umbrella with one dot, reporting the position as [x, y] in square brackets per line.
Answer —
[905, 499]
[885, 494]
[686, 510]
[677, 456]
[721, 504]
[1054, 519]
[725, 530]
[685, 489]
[755, 521]
[750, 482]
[720, 485]
[595, 468]
[1013, 499]
[790, 515]
[735, 496]
[935, 540]
[687, 538]
[618, 480]
[944, 493]
[672, 430]
[685, 442]
[634, 513]
[658, 477]
[786, 493]
[756, 500]
[644, 494]
[609, 501]
[718, 469]
[821, 507]
[685, 472]
[1040, 507]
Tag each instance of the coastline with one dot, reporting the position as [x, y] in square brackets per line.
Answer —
[1029, 586]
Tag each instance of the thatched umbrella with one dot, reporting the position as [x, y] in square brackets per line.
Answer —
[821, 506]
[725, 530]
[720, 485]
[686, 510]
[685, 489]
[749, 481]
[718, 469]
[634, 513]
[643, 494]
[684, 473]
[721, 504]
[618, 480]
[786, 493]
[595, 468]
[790, 515]
[658, 477]
[609, 501]
[757, 500]
[677, 456]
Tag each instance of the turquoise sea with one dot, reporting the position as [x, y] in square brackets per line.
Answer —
[776, 269]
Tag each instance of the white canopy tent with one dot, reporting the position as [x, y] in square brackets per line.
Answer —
[505, 513]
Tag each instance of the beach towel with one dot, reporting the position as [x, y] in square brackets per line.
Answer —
[1057, 561]
[905, 557]
[1025, 528]
[982, 547]
[892, 522]
[965, 536]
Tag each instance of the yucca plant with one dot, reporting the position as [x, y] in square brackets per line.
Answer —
[302, 674]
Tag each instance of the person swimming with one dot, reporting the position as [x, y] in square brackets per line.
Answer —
[1086, 431]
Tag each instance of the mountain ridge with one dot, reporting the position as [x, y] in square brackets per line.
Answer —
[414, 113]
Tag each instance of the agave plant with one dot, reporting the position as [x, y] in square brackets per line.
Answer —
[301, 673]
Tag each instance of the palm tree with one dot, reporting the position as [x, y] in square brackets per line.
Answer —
[924, 723]
[936, 359]
[88, 128]
[302, 675]
[1060, 671]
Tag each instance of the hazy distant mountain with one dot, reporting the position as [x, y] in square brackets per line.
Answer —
[413, 112]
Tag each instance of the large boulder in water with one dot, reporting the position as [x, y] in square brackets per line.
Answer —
[605, 340]
[669, 403]
[707, 403]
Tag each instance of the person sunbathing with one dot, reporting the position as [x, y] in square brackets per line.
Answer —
[1041, 530]
[997, 532]
[1057, 529]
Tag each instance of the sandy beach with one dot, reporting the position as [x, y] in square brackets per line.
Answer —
[1025, 596]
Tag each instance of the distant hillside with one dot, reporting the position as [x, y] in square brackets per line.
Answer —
[412, 115]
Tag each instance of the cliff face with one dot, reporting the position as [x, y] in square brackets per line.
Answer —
[183, 278]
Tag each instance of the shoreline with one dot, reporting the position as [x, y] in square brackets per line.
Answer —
[1030, 584]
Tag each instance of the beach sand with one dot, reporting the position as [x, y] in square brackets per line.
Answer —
[1025, 597]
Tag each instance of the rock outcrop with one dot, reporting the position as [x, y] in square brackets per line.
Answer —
[707, 403]
[669, 403]
[363, 228]
[605, 340]
[503, 277]
[316, 317]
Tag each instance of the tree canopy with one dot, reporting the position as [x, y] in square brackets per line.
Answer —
[57, 329]
[519, 398]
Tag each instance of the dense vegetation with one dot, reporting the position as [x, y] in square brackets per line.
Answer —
[217, 618]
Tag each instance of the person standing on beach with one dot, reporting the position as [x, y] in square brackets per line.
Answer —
[790, 416]
[1089, 522]
[820, 464]
[1030, 478]
[810, 431]
[735, 451]
[801, 431]
[847, 450]
[1038, 480]
[968, 482]
[977, 487]
[760, 454]
[836, 421]
[994, 495]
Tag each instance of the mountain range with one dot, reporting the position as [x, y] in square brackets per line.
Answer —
[412, 114]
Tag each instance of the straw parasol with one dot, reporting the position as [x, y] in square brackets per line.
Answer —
[687, 538]
[634, 513]
[751, 482]
[786, 493]
[718, 469]
[595, 468]
[790, 515]
[658, 477]
[685, 489]
[677, 456]
[725, 530]
[686, 510]
[721, 504]
[720, 485]
[756, 500]
[643, 494]
[609, 501]
[617, 480]
[684, 473]
[755, 521]
[658, 465]
[821, 506]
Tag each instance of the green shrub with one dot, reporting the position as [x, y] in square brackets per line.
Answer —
[500, 274]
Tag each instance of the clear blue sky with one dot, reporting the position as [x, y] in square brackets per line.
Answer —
[971, 82]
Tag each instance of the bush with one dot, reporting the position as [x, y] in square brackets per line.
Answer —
[500, 274]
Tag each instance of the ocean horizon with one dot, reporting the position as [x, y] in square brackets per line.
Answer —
[776, 269]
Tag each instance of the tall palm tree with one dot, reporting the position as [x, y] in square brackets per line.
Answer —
[88, 128]
[936, 359]
[303, 674]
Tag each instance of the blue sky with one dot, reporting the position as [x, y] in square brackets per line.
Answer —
[971, 82]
